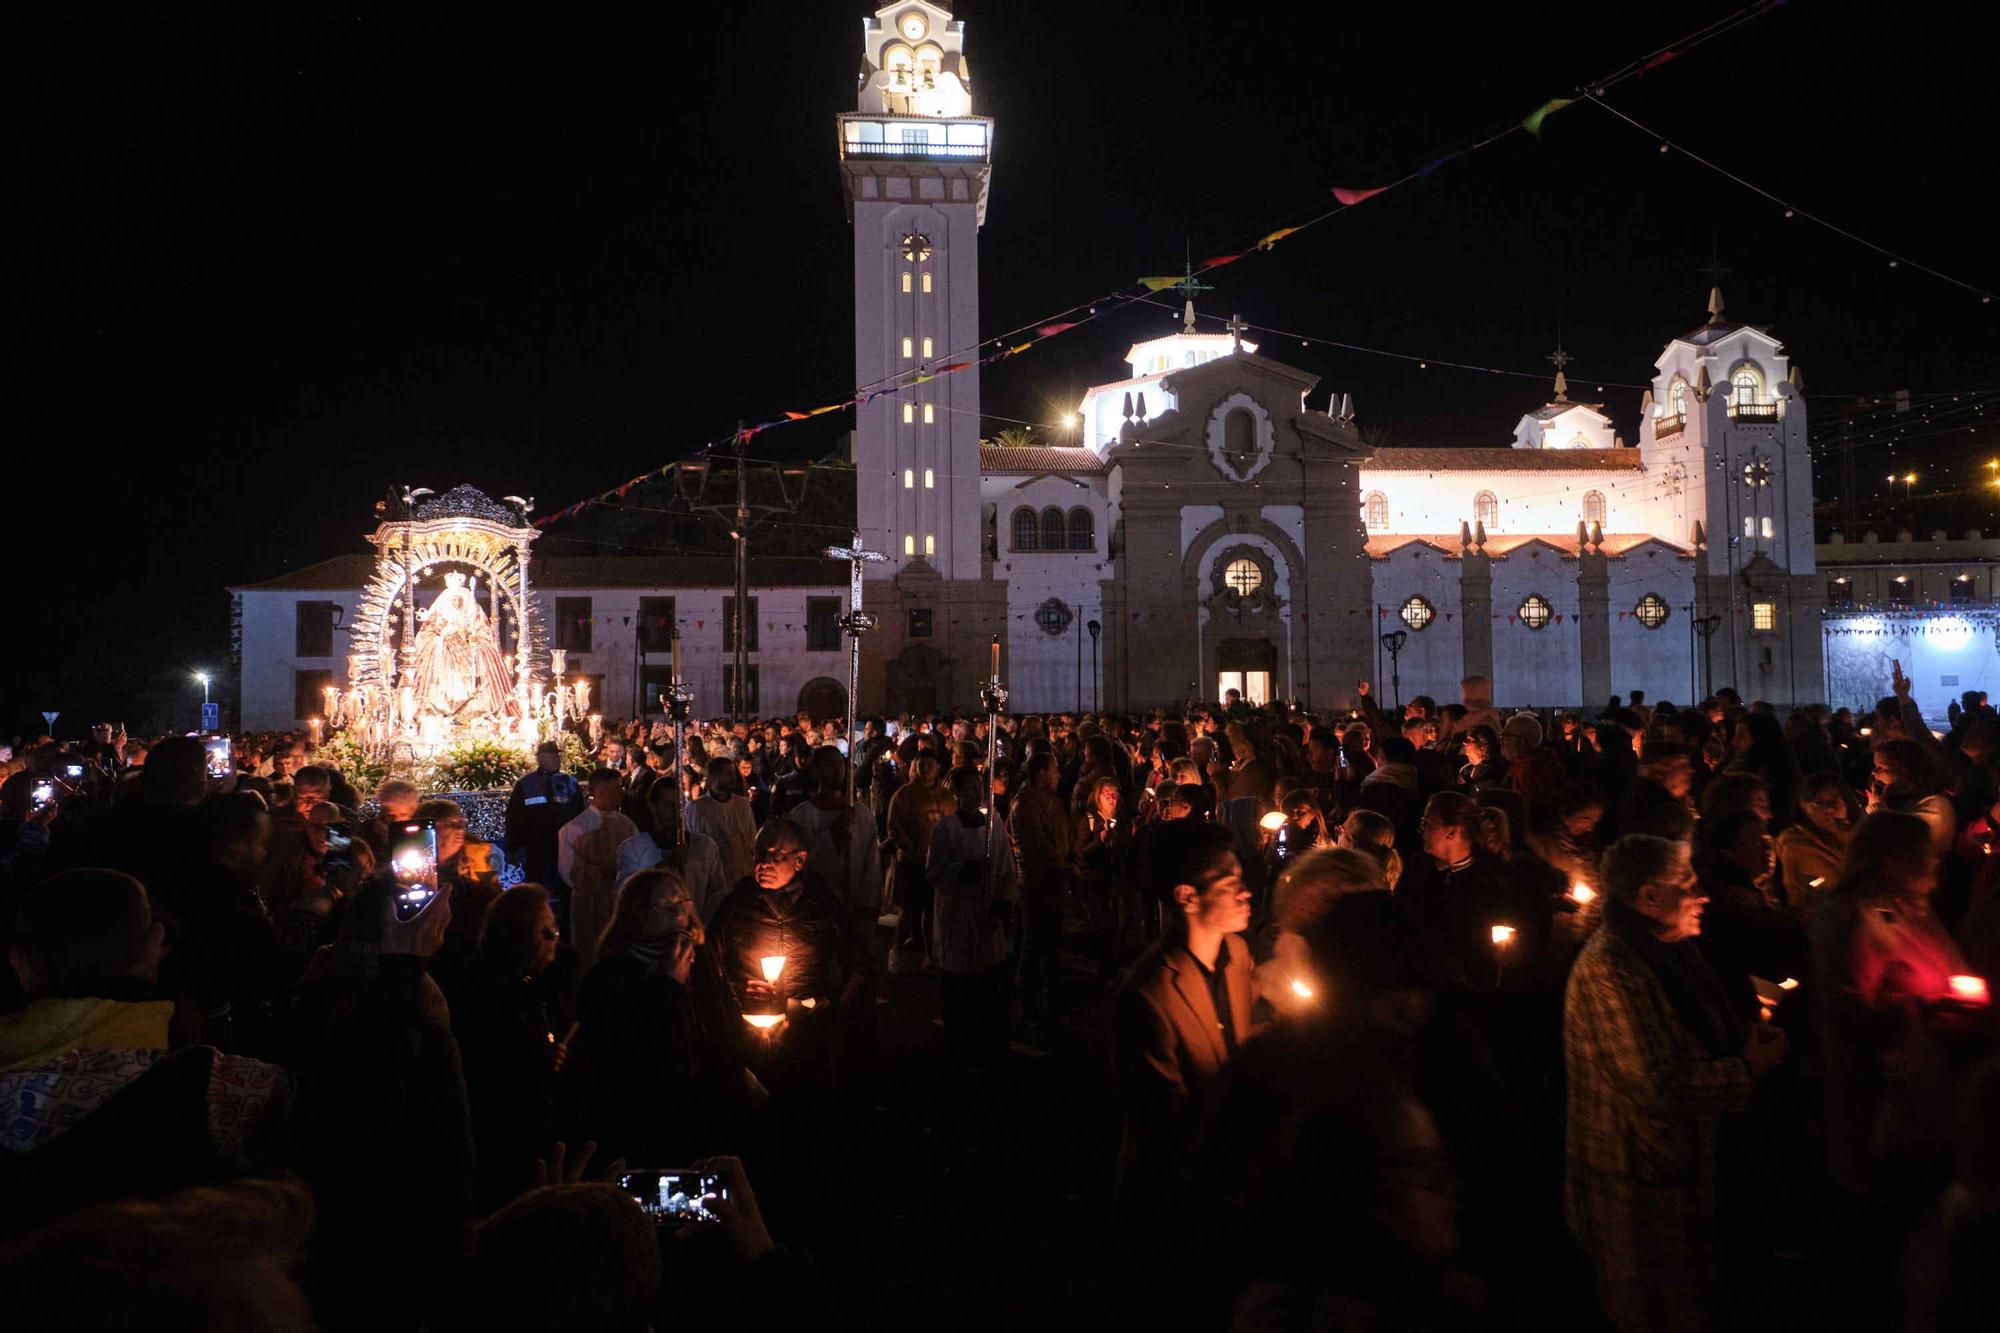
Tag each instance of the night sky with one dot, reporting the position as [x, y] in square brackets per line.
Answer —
[267, 264]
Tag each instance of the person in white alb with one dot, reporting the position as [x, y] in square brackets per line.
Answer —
[723, 814]
[698, 863]
[843, 841]
[975, 896]
[587, 860]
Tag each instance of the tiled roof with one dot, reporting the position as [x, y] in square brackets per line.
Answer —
[1503, 460]
[1501, 545]
[349, 572]
[1039, 458]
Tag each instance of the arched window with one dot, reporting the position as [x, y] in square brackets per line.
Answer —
[1593, 506]
[1746, 386]
[1486, 510]
[1375, 512]
[1027, 529]
[1082, 530]
[1055, 529]
[1239, 434]
[1677, 397]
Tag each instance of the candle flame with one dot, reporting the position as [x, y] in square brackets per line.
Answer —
[773, 964]
[1580, 892]
[1970, 990]
[1789, 983]
[1300, 989]
[1272, 822]
[1503, 935]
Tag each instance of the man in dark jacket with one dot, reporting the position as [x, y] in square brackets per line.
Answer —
[821, 985]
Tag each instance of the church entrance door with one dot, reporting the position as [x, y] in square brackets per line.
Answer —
[1248, 665]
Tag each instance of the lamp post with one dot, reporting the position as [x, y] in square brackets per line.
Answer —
[202, 676]
[1706, 626]
[1095, 630]
[1394, 641]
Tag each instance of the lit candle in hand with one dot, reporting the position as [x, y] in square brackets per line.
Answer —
[773, 965]
[1581, 893]
[1969, 990]
[1502, 936]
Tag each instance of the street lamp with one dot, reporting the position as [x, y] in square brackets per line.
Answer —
[1095, 630]
[202, 676]
[1706, 626]
[1394, 641]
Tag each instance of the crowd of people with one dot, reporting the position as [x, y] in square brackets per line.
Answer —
[1416, 1017]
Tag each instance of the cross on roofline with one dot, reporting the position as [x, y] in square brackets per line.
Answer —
[1236, 326]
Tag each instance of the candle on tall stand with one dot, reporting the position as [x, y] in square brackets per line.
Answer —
[994, 698]
[315, 724]
[596, 728]
[679, 703]
[331, 694]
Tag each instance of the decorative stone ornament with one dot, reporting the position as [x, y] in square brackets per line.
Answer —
[1240, 455]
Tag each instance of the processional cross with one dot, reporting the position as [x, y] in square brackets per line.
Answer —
[856, 622]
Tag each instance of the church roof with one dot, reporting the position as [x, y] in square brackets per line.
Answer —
[1704, 334]
[1039, 458]
[1553, 410]
[1503, 460]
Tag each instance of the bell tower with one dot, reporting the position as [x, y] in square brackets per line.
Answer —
[1724, 430]
[915, 163]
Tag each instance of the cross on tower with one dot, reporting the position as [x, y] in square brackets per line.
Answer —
[1236, 326]
[856, 622]
[1715, 271]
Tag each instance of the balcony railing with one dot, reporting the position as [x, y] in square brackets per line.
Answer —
[1669, 425]
[1753, 411]
[968, 140]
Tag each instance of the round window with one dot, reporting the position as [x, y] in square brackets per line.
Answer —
[1417, 613]
[1243, 577]
[1535, 612]
[1652, 611]
[1053, 617]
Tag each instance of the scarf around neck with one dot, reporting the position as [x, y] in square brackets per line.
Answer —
[1692, 988]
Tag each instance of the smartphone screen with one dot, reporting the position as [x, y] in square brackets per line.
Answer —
[73, 771]
[218, 755]
[413, 859]
[675, 1197]
[43, 795]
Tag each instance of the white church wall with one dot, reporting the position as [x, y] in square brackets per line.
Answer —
[1042, 669]
[1433, 658]
[270, 638]
[1288, 519]
[1536, 668]
[1653, 660]
[1547, 503]
[783, 661]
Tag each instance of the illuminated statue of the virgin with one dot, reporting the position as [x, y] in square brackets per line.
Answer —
[455, 667]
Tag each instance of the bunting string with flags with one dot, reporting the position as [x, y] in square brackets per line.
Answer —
[1004, 345]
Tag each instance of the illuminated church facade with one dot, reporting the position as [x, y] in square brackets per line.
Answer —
[1214, 522]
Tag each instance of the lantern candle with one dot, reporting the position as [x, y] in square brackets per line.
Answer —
[996, 657]
[1272, 822]
[773, 965]
[1503, 936]
[315, 724]
[764, 1021]
[1581, 893]
[1300, 989]
[332, 696]
[558, 660]
[596, 727]
[1969, 990]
